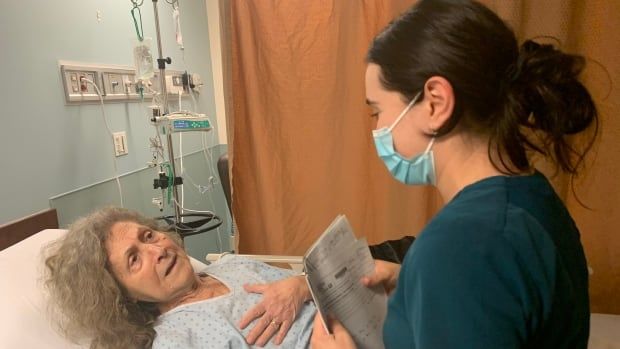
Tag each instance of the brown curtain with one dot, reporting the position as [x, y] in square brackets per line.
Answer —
[301, 138]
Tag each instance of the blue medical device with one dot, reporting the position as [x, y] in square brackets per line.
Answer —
[190, 124]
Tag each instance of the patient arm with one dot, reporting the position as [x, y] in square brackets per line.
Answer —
[282, 302]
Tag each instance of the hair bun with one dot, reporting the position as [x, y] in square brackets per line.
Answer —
[544, 81]
[532, 46]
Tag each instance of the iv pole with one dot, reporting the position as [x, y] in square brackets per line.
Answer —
[184, 228]
[161, 62]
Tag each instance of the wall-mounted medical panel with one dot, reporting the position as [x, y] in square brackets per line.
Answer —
[115, 83]
[77, 89]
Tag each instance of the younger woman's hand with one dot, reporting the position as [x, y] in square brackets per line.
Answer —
[340, 339]
[386, 274]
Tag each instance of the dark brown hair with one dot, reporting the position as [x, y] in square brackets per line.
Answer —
[503, 91]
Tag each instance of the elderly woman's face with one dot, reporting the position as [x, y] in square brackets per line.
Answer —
[148, 264]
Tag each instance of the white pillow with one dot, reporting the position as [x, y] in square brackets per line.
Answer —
[23, 317]
[23, 320]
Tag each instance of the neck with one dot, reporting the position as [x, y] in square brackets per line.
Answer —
[204, 287]
[459, 162]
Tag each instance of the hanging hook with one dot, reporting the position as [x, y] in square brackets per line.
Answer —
[139, 31]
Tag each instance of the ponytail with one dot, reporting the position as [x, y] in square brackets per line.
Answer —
[542, 93]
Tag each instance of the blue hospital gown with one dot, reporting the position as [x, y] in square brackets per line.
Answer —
[212, 323]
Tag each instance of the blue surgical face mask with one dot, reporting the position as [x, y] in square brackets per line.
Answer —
[419, 170]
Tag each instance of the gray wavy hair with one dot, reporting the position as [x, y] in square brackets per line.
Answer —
[85, 298]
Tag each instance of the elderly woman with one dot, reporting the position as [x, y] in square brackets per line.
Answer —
[120, 280]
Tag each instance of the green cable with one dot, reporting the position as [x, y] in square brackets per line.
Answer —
[170, 181]
[170, 177]
[139, 32]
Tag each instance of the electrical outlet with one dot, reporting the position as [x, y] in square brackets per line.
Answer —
[120, 143]
[119, 84]
[78, 90]
[113, 84]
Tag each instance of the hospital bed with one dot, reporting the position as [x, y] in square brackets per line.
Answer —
[23, 319]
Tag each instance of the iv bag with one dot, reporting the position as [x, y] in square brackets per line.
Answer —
[143, 59]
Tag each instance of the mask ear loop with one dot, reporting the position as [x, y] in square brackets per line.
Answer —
[415, 99]
[430, 144]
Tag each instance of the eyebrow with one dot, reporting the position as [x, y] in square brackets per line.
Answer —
[369, 102]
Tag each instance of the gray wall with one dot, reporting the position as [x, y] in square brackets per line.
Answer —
[49, 148]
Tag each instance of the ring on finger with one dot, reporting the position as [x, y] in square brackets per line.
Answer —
[275, 323]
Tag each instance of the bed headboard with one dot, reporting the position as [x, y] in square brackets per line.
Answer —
[16, 231]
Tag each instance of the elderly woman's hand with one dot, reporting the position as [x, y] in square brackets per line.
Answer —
[386, 274]
[339, 339]
[282, 302]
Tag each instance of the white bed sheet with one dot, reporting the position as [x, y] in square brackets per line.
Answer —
[23, 320]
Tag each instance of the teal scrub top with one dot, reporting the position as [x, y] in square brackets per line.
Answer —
[500, 266]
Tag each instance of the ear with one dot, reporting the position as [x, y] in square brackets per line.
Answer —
[439, 97]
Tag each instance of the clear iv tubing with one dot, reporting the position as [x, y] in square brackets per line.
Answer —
[210, 164]
[105, 121]
[181, 162]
